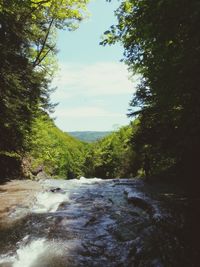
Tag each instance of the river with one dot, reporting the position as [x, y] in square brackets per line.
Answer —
[100, 223]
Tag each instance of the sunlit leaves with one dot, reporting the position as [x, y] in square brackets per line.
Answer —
[60, 154]
[113, 156]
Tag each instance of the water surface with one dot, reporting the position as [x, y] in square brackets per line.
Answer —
[94, 222]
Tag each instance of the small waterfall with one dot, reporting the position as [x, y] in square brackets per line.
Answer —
[49, 201]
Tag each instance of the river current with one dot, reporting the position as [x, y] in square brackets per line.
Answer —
[97, 223]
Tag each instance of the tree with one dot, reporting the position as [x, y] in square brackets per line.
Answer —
[162, 42]
[27, 46]
[113, 156]
[27, 49]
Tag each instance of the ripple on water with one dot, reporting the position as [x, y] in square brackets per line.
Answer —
[90, 222]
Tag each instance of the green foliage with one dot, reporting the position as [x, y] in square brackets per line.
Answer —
[162, 42]
[112, 156]
[27, 53]
[60, 154]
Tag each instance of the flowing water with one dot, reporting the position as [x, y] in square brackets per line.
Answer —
[94, 222]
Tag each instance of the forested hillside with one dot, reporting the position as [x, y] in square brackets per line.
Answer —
[88, 136]
[114, 156]
[55, 152]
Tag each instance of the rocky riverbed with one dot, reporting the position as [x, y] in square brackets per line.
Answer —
[94, 222]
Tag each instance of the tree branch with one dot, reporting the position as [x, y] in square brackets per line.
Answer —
[38, 60]
[42, 58]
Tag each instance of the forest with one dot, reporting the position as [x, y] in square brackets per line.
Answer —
[161, 43]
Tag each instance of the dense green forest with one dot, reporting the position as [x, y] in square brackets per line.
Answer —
[59, 154]
[113, 156]
[161, 43]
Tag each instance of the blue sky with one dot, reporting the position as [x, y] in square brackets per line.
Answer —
[93, 88]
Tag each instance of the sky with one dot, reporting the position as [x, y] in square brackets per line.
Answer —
[93, 86]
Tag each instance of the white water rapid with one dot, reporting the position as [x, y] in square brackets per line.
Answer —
[89, 223]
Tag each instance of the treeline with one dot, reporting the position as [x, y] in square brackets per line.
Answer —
[113, 156]
[27, 56]
[161, 42]
[89, 136]
[59, 155]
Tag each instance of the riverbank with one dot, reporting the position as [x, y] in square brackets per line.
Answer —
[15, 194]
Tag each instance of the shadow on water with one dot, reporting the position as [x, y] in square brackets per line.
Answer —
[105, 223]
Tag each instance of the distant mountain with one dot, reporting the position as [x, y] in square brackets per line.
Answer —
[89, 136]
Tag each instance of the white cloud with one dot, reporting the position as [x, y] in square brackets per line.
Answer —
[92, 96]
[86, 112]
[97, 79]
